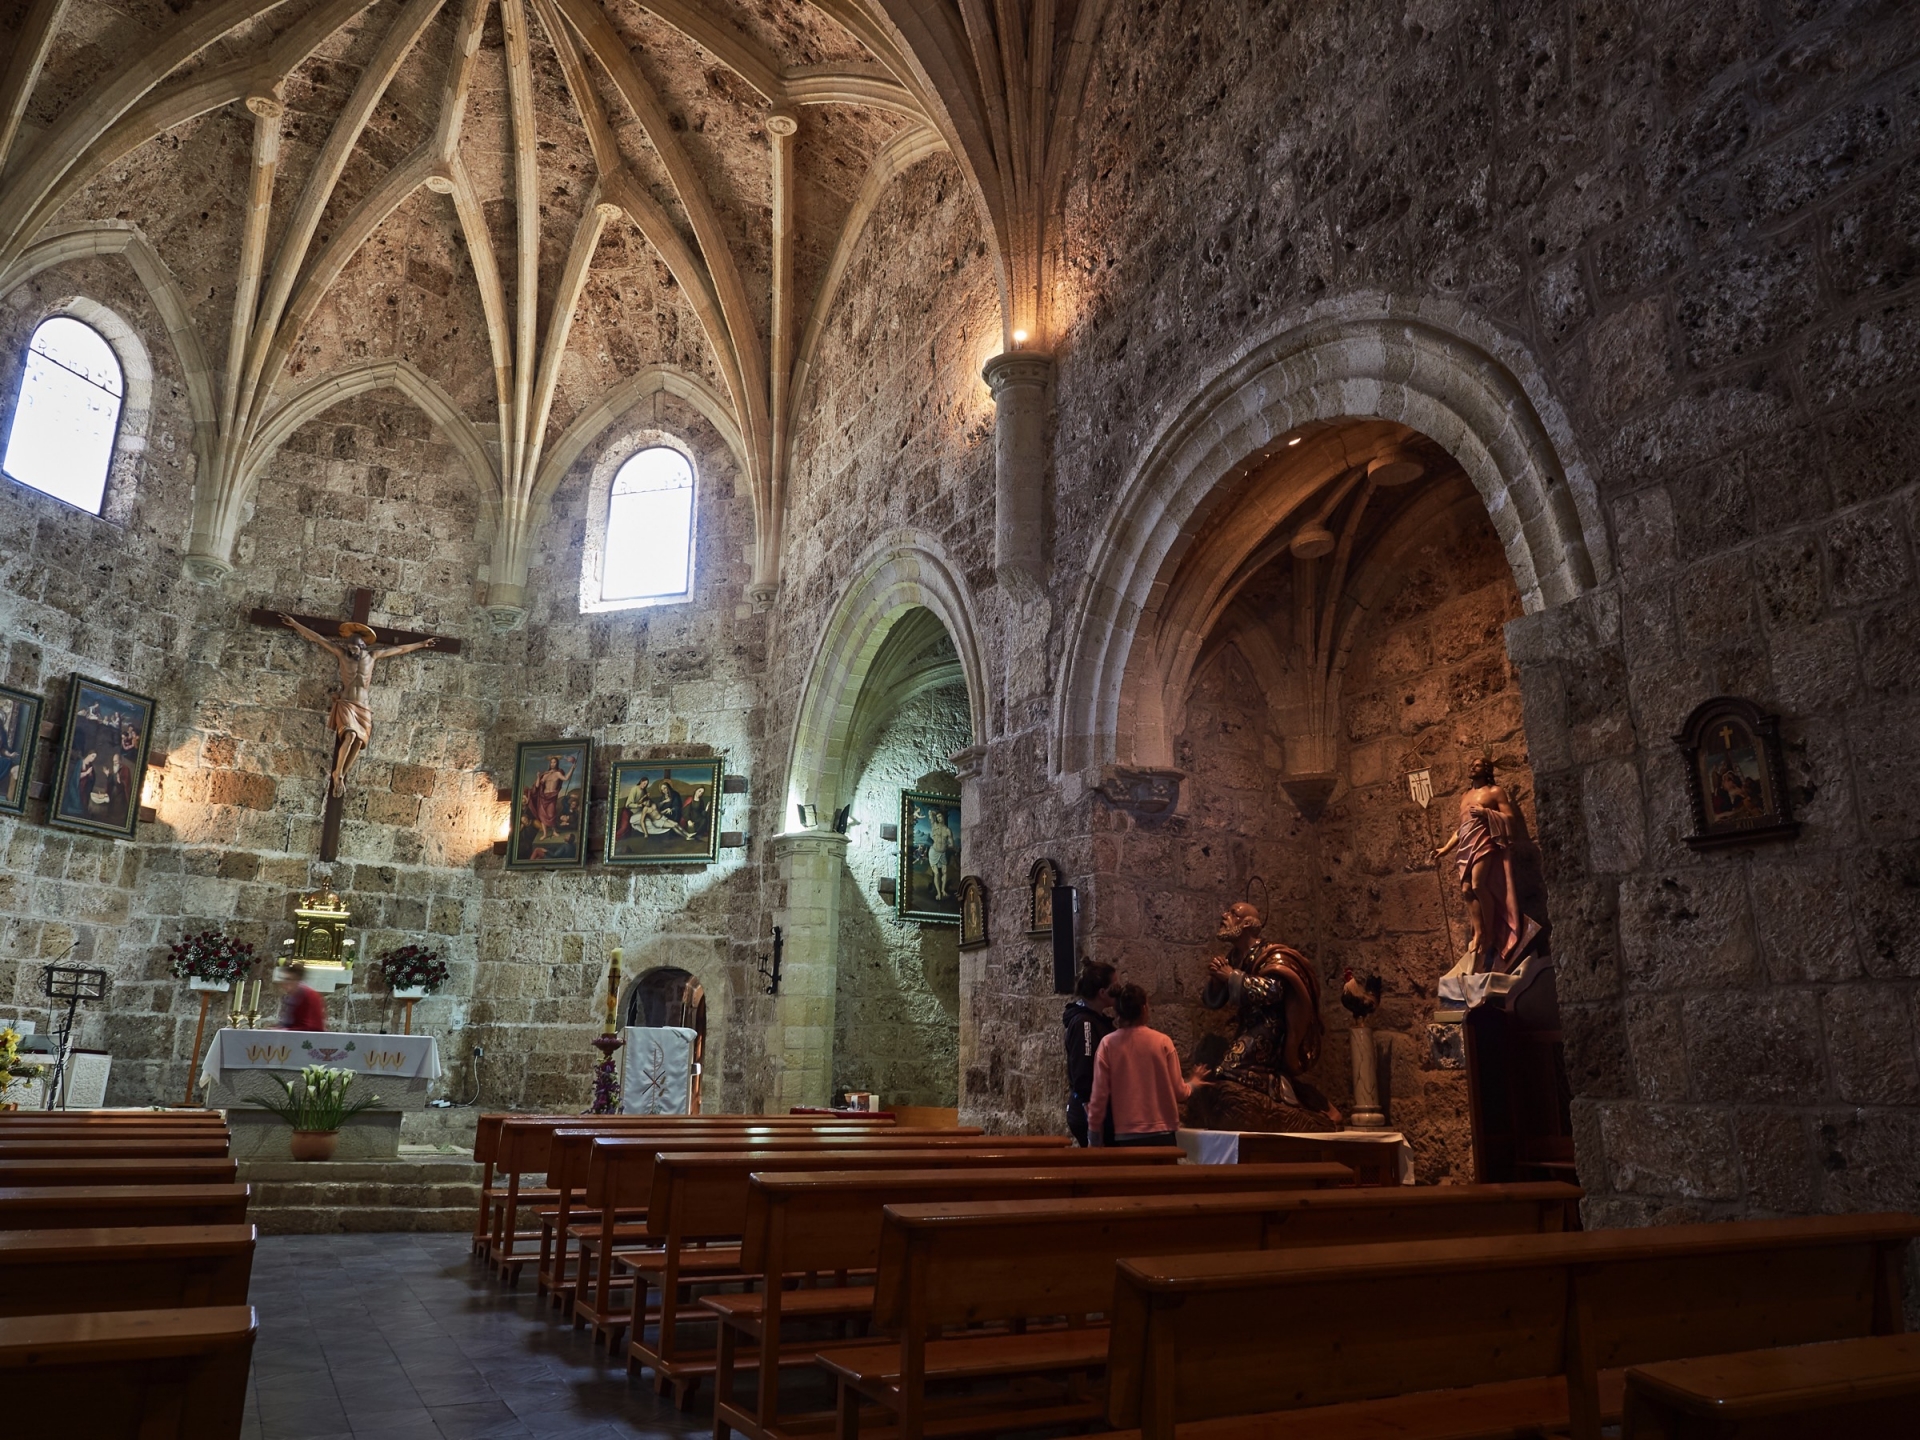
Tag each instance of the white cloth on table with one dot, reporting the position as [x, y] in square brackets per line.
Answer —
[1222, 1147]
[659, 1071]
[405, 1057]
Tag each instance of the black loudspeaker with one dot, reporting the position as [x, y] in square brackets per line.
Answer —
[1065, 897]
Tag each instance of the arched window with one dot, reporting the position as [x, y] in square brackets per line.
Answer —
[648, 550]
[67, 414]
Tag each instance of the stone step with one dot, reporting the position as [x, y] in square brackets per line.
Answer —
[335, 1220]
[450, 1171]
[272, 1196]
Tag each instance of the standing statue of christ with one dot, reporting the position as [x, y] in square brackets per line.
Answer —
[351, 719]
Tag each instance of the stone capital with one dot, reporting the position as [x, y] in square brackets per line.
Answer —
[809, 842]
[970, 763]
[782, 122]
[1017, 370]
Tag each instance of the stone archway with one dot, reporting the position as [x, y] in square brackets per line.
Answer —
[1433, 367]
[902, 573]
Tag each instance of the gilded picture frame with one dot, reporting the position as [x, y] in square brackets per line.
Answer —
[973, 912]
[930, 858]
[19, 743]
[548, 828]
[1736, 775]
[103, 759]
[1041, 880]
[664, 812]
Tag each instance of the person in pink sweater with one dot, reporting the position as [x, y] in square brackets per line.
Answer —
[1136, 1073]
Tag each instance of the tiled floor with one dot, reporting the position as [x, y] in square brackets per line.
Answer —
[403, 1337]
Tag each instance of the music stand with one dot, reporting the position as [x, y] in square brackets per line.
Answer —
[71, 983]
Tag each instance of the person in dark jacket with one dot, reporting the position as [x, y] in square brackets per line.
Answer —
[1088, 1019]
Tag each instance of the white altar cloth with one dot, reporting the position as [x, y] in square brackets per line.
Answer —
[1222, 1147]
[405, 1057]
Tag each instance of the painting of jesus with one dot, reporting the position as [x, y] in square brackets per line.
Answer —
[549, 825]
[103, 758]
[19, 730]
[929, 885]
[664, 812]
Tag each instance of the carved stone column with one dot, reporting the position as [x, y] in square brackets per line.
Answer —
[1019, 380]
[811, 863]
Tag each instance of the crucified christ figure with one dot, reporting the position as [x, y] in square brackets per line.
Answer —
[351, 719]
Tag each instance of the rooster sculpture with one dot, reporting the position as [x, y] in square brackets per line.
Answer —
[1361, 997]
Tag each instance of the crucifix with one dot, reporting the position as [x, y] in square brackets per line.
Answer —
[357, 647]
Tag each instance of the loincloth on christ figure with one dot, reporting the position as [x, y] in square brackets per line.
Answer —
[348, 718]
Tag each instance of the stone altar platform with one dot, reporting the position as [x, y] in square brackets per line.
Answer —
[420, 1189]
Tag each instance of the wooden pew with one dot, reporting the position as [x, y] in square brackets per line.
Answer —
[1020, 1262]
[111, 1134]
[487, 1131]
[11, 1118]
[141, 1146]
[702, 1200]
[1530, 1321]
[156, 1267]
[53, 1207]
[1864, 1387]
[828, 1223]
[564, 1222]
[206, 1170]
[620, 1179]
[1372, 1162]
[128, 1374]
[525, 1147]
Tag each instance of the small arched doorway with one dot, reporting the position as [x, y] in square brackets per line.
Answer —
[667, 995]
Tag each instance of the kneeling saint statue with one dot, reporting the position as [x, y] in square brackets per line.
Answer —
[1274, 993]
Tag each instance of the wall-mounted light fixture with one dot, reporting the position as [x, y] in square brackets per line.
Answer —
[770, 965]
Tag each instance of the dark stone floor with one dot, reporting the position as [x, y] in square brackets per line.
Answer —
[404, 1337]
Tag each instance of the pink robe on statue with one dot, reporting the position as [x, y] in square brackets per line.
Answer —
[1489, 835]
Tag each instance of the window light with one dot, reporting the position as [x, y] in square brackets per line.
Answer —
[67, 414]
[649, 542]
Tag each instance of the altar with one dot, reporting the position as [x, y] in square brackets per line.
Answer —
[244, 1065]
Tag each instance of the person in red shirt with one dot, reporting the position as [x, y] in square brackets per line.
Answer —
[301, 1006]
[1136, 1075]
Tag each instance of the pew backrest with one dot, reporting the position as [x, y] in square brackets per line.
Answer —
[53, 1207]
[487, 1128]
[153, 1267]
[158, 1171]
[831, 1219]
[1192, 1335]
[173, 1374]
[1018, 1259]
[127, 1147]
[572, 1144]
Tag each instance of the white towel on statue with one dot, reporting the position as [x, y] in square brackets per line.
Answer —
[659, 1071]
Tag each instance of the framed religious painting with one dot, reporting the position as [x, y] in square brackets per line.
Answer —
[103, 759]
[929, 884]
[1041, 880]
[663, 812]
[19, 738]
[1736, 774]
[548, 830]
[973, 912]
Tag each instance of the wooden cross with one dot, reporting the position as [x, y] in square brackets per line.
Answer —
[385, 635]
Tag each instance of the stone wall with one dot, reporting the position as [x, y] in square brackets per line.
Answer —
[897, 999]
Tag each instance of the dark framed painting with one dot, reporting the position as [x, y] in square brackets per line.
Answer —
[664, 812]
[929, 887]
[973, 912]
[549, 825]
[1736, 774]
[19, 738]
[103, 759]
[1041, 880]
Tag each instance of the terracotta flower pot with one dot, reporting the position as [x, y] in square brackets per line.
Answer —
[313, 1144]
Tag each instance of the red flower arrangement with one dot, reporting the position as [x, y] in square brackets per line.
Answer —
[210, 955]
[412, 967]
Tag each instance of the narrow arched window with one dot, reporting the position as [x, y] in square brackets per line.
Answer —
[67, 413]
[648, 553]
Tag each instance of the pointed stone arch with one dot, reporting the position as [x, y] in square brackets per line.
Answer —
[1434, 367]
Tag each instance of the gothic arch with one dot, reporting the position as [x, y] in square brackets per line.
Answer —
[901, 571]
[1432, 366]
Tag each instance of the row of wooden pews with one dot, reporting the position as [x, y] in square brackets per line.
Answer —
[125, 1257]
[949, 1282]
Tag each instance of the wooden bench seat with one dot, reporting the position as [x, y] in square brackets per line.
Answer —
[12, 1119]
[1026, 1262]
[13, 1134]
[52, 1207]
[154, 1267]
[1192, 1335]
[828, 1223]
[206, 1170]
[1843, 1388]
[114, 1148]
[620, 1179]
[178, 1374]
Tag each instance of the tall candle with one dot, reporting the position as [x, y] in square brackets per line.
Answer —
[613, 993]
